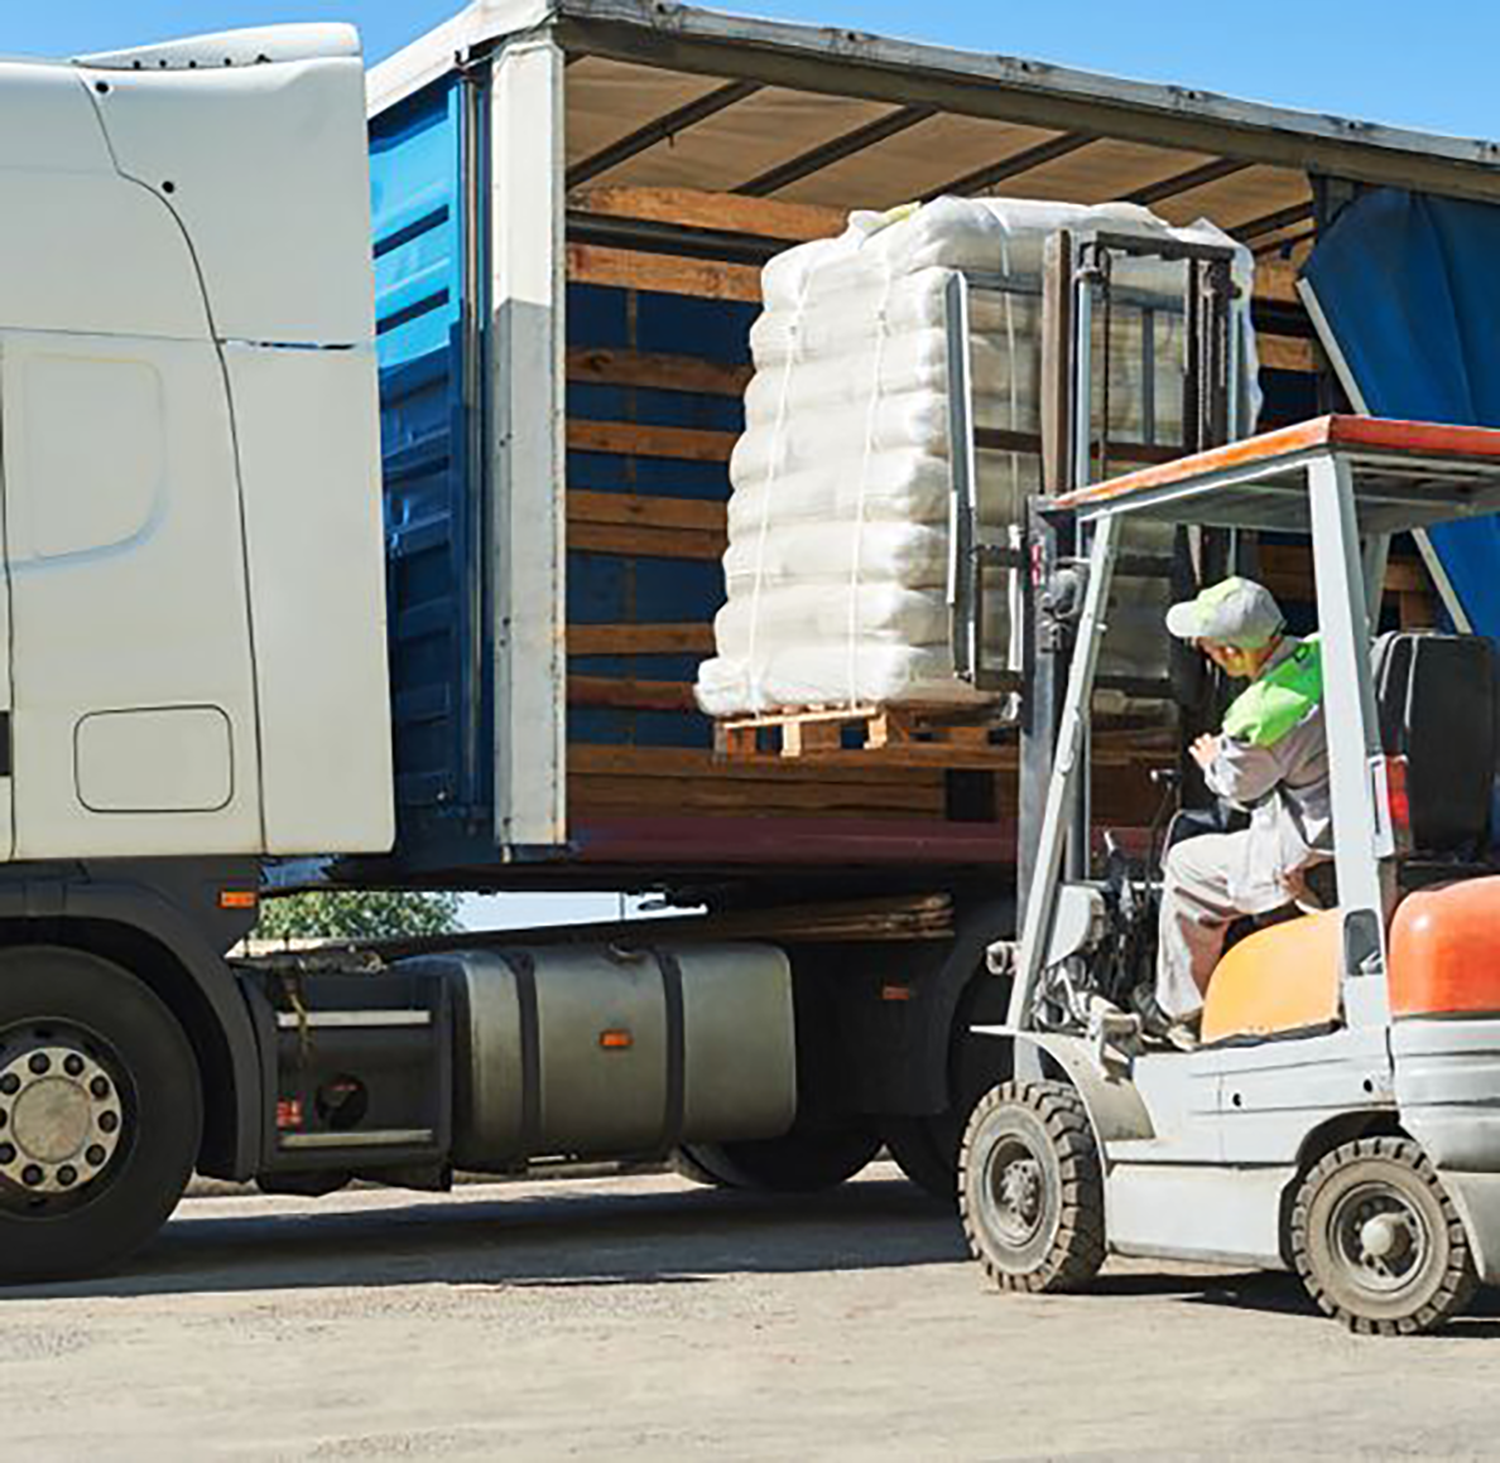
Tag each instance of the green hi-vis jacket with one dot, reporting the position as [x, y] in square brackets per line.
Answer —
[1273, 760]
[1270, 707]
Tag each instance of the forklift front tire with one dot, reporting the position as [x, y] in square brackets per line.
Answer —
[1031, 1188]
[1378, 1242]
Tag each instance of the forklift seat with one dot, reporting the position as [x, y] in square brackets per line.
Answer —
[1436, 699]
[1435, 696]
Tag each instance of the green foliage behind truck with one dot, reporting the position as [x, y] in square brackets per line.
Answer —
[350, 915]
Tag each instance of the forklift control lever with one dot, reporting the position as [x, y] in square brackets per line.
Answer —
[1000, 957]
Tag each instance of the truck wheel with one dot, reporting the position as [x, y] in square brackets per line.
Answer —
[796, 1163]
[1030, 1191]
[688, 1163]
[926, 1151]
[926, 1148]
[1378, 1242]
[100, 1113]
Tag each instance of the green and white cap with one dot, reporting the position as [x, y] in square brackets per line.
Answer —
[1235, 611]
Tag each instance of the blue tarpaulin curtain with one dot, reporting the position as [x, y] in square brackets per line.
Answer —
[1410, 287]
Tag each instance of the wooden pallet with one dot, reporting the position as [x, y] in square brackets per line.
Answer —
[946, 736]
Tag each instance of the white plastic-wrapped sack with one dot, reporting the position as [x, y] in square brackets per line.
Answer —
[837, 567]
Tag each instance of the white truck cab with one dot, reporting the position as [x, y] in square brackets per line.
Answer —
[192, 636]
[192, 639]
[193, 679]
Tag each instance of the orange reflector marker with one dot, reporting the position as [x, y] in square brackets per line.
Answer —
[616, 1041]
[238, 899]
[895, 993]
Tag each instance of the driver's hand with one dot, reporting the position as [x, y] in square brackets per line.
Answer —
[1204, 750]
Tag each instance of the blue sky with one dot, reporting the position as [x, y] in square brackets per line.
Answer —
[1430, 66]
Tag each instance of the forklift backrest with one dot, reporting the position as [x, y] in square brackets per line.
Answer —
[1435, 695]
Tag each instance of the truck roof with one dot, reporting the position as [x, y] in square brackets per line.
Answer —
[664, 95]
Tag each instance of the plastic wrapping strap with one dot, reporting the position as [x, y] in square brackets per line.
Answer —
[872, 409]
[773, 471]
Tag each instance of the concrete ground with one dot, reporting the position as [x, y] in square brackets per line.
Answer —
[645, 1316]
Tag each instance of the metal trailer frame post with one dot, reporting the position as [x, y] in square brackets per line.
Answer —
[527, 443]
[475, 142]
[1069, 761]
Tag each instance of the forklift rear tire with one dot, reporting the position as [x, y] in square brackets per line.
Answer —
[1378, 1242]
[1031, 1189]
[799, 1162]
[100, 1113]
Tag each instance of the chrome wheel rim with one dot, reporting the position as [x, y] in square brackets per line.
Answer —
[64, 1117]
[1380, 1239]
[1016, 1204]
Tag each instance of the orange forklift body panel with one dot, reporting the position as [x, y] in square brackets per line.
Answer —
[1283, 978]
[1445, 951]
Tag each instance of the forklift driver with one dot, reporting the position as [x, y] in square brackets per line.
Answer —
[1271, 758]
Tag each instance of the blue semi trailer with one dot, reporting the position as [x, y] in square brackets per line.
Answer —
[487, 684]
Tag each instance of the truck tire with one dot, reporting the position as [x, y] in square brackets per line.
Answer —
[688, 1163]
[101, 1113]
[1031, 1189]
[796, 1163]
[927, 1148]
[1378, 1242]
[926, 1151]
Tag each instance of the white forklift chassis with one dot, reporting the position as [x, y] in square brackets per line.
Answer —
[1365, 1154]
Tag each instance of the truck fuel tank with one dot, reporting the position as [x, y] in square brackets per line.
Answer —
[593, 1051]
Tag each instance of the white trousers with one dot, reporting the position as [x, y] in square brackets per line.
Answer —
[1197, 909]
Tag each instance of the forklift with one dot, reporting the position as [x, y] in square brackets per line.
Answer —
[1341, 1114]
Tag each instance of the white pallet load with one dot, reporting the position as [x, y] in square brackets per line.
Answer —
[836, 569]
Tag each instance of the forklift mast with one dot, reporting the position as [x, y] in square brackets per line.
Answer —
[1081, 296]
